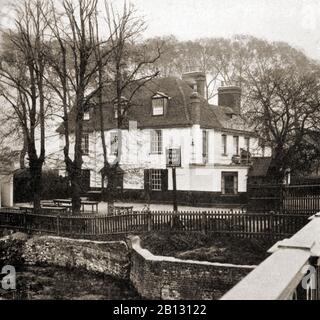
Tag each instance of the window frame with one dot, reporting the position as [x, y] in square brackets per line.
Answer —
[123, 108]
[236, 145]
[205, 146]
[163, 99]
[247, 143]
[156, 145]
[263, 151]
[235, 176]
[85, 144]
[116, 111]
[87, 112]
[114, 145]
[224, 145]
[155, 179]
[163, 106]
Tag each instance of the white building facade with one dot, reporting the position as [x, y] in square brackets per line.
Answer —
[215, 143]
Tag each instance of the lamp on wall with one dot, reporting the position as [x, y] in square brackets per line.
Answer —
[193, 153]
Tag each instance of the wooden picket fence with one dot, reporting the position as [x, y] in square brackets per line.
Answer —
[236, 224]
[300, 199]
[292, 199]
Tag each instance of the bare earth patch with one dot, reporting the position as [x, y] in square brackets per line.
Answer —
[197, 246]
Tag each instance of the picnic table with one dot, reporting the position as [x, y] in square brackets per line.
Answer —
[94, 205]
[68, 203]
[122, 210]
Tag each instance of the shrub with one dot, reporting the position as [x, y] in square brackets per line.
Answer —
[53, 186]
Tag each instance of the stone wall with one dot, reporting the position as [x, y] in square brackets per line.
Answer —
[169, 278]
[109, 258]
[154, 277]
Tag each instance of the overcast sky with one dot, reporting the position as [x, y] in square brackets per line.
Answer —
[294, 21]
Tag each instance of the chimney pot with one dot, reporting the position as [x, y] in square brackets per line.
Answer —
[230, 97]
[196, 80]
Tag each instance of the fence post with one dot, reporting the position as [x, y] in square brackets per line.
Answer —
[204, 222]
[25, 222]
[149, 221]
[271, 224]
[58, 225]
[281, 197]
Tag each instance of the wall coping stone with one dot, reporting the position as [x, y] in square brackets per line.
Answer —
[147, 255]
[81, 240]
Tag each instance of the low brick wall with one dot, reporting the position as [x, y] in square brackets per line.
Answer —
[109, 258]
[167, 278]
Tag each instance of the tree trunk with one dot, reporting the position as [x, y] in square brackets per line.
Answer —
[277, 169]
[76, 191]
[104, 193]
[36, 183]
[111, 176]
[23, 153]
[77, 176]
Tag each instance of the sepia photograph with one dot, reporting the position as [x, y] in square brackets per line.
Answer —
[159, 151]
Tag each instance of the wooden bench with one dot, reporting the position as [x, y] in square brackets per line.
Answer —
[123, 210]
[30, 209]
[26, 209]
[60, 202]
[49, 205]
[55, 209]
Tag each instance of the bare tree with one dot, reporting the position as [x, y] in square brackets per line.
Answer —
[22, 79]
[284, 108]
[73, 59]
[128, 71]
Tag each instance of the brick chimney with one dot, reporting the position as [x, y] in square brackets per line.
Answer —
[196, 80]
[195, 108]
[230, 97]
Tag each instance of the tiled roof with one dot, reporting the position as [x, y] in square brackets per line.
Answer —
[178, 113]
[260, 167]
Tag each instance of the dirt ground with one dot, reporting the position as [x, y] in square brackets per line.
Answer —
[197, 246]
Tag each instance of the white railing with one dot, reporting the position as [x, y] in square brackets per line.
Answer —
[290, 273]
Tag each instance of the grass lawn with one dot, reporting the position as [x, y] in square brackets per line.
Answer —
[197, 246]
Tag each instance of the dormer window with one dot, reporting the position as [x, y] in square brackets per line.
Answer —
[86, 114]
[123, 107]
[159, 104]
[116, 111]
